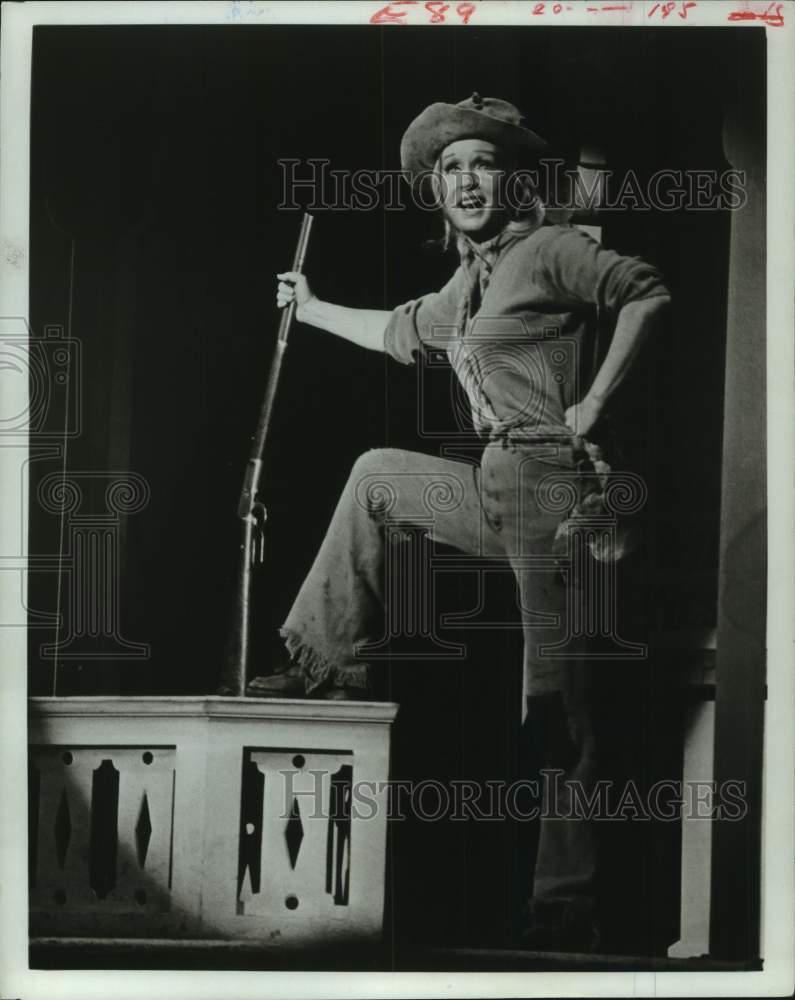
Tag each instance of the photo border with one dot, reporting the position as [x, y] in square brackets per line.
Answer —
[16, 980]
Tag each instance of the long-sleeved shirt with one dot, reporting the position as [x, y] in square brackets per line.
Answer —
[524, 321]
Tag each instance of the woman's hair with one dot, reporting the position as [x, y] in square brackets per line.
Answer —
[526, 209]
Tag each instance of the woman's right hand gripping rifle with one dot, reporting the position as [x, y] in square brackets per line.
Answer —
[293, 286]
[364, 327]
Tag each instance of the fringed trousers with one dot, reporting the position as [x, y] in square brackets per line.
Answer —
[507, 507]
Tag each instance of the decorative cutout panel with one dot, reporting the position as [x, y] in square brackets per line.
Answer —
[305, 846]
[103, 828]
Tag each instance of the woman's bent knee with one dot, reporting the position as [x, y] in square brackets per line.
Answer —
[374, 461]
[370, 481]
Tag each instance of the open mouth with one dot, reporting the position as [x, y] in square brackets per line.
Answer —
[471, 203]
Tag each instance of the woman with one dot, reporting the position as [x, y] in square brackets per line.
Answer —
[519, 320]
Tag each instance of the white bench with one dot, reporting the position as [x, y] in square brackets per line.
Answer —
[210, 818]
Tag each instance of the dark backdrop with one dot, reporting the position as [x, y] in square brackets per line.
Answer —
[155, 235]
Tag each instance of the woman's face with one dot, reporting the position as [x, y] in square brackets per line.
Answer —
[472, 172]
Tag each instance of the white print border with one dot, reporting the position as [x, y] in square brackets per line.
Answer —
[777, 976]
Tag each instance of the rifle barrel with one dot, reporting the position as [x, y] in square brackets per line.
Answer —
[234, 673]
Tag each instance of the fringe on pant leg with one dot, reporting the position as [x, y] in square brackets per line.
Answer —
[317, 669]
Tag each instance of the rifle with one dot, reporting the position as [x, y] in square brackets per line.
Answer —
[250, 510]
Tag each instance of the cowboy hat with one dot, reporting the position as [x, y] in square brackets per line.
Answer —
[477, 117]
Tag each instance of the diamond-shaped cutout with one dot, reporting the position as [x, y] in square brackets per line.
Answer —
[62, 829]
[294, 833]
[143, 831]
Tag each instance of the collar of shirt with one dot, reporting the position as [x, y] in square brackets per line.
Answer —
[480, 259]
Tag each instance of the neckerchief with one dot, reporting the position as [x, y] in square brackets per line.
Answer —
[478, 261]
